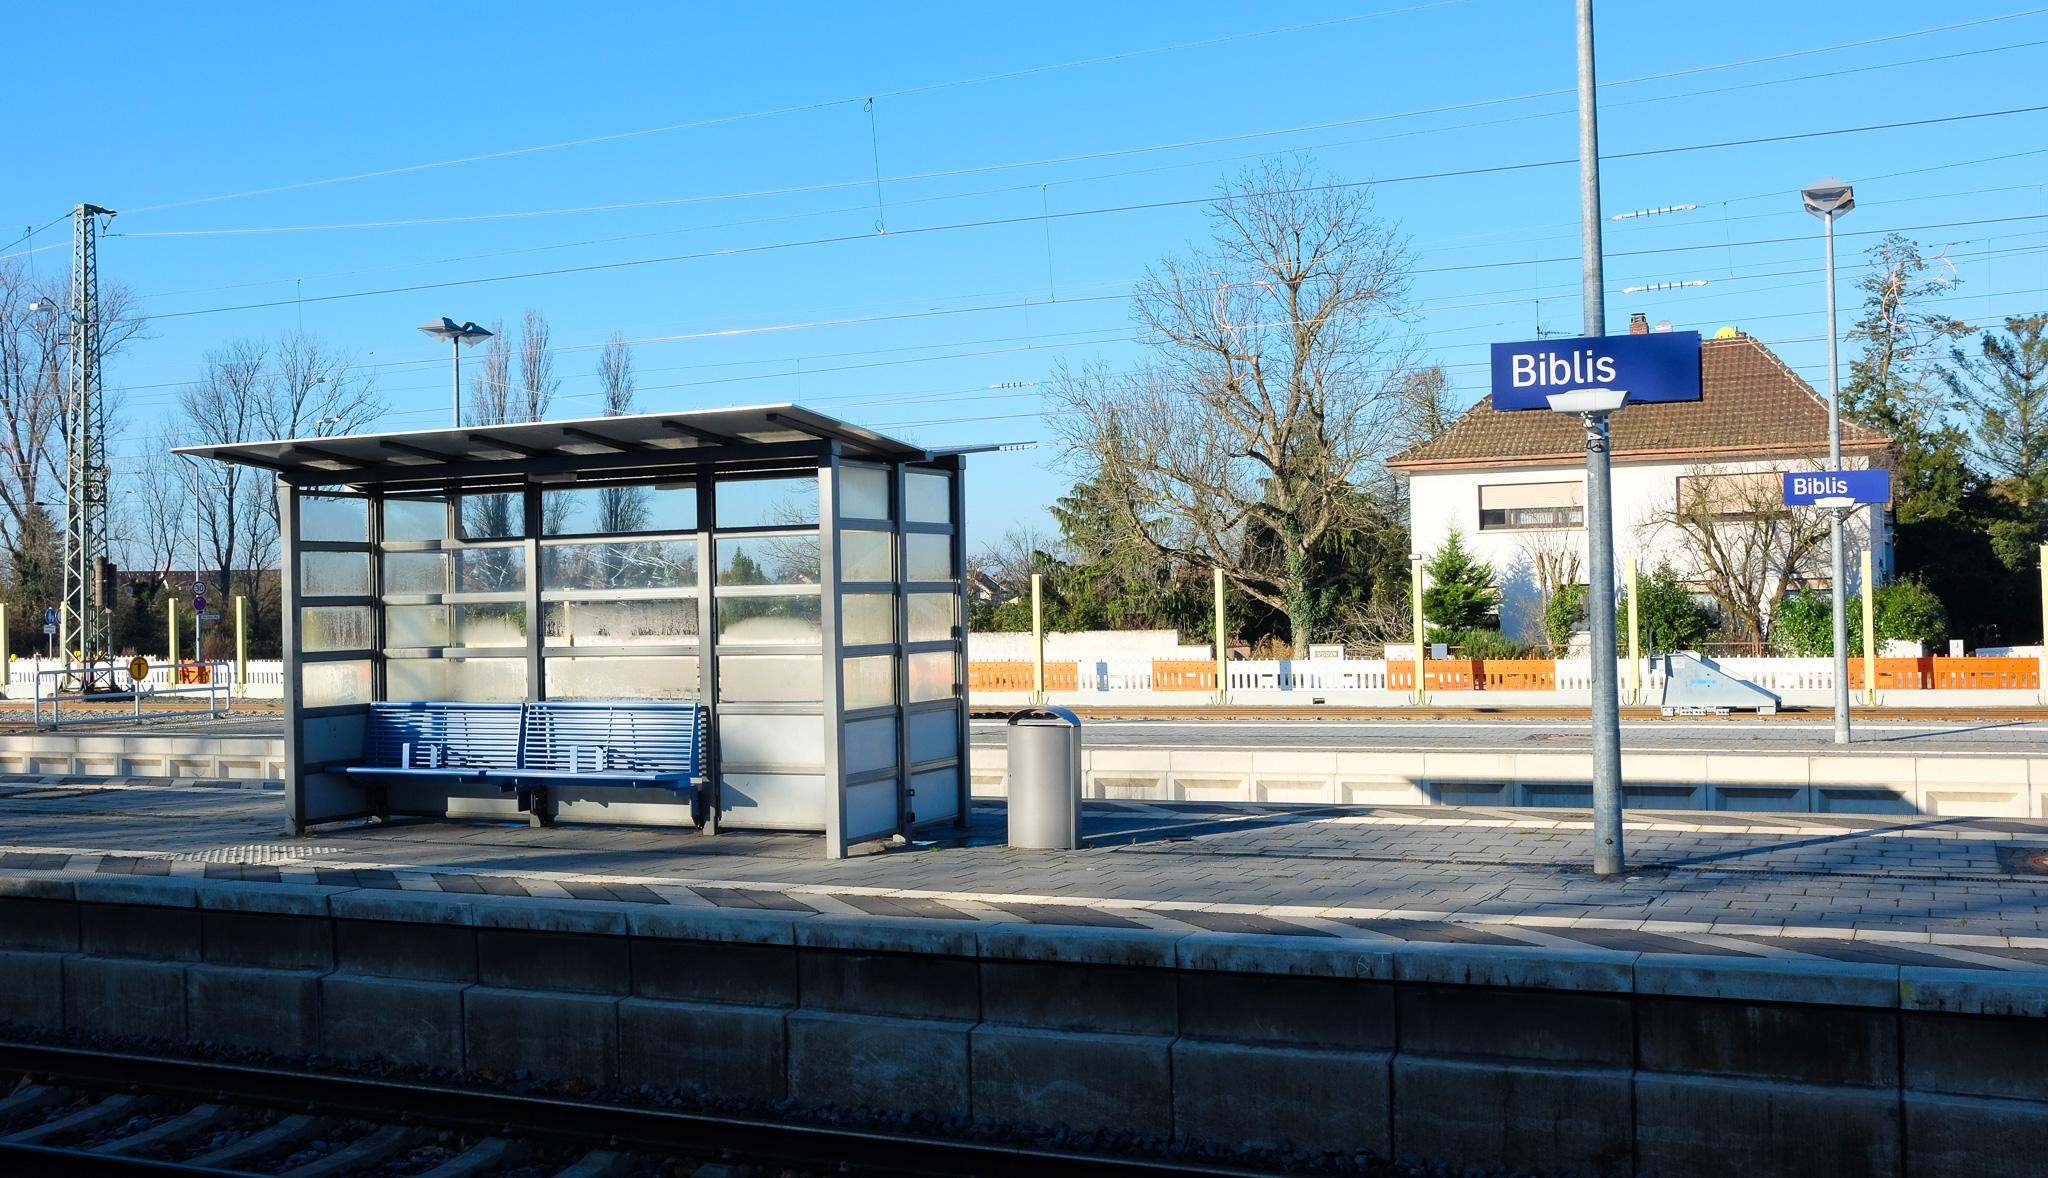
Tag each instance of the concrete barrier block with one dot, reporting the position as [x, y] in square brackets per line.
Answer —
[1965, 1137]
[723, 925]
[2010, 993]
[1109, 998]
[1260, 953]
[727, 1051]
[159, 891]
[1084, 1080]
[30, 923]
[1758, 769]
[266, 940]
[855, 1060]
[1580, 970]
[714, 971]
[397, 906]
[135, 930]
[1321, 1100]
[582, 963]
[889, 984]
[1973, 1055]
[1286, 1010]
[120, 996]
[571, 1038]
[404, 1020]
[393, 949]
[38, 887]
[1079, 944]
[1551, 1026]
[32, 989]
[1834, 1045]
[1710, 1128]
[1825, 983]
[233, 895]
[891, 934]
[1486, 1114]
[272, 1010]
[598, 917]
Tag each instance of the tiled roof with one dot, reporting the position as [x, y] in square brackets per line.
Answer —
[1750, 403]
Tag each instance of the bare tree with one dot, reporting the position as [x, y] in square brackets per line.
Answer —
[619, 509]
[537, 383]
[1272, 394]
[1428, 406]
[1742, 545]
[226, 404]
[490, 386]
[1554, 561]
[316, 392]
[1022, 551]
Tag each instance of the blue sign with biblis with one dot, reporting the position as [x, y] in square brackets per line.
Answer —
[1837, 488]
[1660, 366]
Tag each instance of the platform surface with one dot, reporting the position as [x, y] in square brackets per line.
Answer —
[1968, 892]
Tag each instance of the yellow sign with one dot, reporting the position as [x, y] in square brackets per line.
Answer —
[138, 668]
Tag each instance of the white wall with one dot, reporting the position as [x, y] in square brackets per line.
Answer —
[1440, 501]
[1087, 644]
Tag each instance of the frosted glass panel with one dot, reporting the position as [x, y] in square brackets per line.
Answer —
[773, 620]
[327, 574]
[334, 627]
[863, 493]
[329, 518]
[931, 676]
[768, 503]
[932, 617]
[930, 556]
[415, 519]
[493, 517]
[927, 497]
[870, 682]
[469, 680]
[632, 564]
[870, 744]
[621, 623]
[636, 677]
[755, 678]
[867, 619]
[490, 570]
[418, 625]
[415, 572]
[934, 736]
[490, 624]
[768, 560]
[579, 510]
[866, 556]
[323, 685]
[789, 741]
[935, 793]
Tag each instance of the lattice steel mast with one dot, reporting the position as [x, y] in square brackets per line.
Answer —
[82, 627]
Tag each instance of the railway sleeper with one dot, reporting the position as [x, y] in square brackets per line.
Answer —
[183, 1127]
[111, 1111]
[290, 1131]
[380, 1146]
[483, 1157]
[34, 1098]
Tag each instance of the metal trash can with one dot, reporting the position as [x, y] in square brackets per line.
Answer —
[1045, 779]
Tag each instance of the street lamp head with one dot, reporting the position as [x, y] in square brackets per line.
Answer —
[1588, 401]
[1828, 197]
[448, 329]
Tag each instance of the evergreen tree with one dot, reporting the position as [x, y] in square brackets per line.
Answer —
[1461, 593]
[1891, 385]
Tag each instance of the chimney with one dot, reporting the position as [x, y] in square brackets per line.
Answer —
[1639, 324]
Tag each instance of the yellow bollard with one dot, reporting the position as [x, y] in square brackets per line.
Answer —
[241, 645]
[1222, 671]
[1037, 638]
[1415, 606]
[1869, 633]
[1635, 641]
[171, 619]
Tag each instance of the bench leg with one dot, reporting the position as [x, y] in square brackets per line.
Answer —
[535, 802]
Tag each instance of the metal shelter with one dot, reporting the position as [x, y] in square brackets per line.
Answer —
[800, 577]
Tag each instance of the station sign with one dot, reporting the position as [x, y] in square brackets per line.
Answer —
[1659, 366]
[1837, 488]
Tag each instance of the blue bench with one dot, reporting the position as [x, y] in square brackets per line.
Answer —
[448, 741]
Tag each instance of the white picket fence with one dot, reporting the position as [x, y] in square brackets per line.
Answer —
[265, 678]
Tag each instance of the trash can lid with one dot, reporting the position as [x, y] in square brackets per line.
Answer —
[1045, 713]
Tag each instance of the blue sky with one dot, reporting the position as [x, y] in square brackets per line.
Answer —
[1051, 109]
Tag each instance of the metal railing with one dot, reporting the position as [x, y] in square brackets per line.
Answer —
[213, 678]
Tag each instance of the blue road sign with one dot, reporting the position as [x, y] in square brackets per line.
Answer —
[1660, 366]
[1837, 488]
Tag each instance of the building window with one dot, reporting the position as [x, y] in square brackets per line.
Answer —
[1517, 506]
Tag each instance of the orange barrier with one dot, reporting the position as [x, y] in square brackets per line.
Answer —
[1949, 674]
[1895, 674]
[1517, 674]
[194, 673]
[1015, 675]
[1437, 674]
[1183, 675]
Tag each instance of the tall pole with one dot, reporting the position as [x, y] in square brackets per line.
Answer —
[1635, 639]
[1415, 610]
[1222, 671]
[1607, 848]
[1835, 593]
[455, 343]
[1869, 632]
[1037, 638]
[82, 629]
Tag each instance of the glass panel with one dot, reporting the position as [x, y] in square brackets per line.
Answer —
[632, 564]
[927, 497]
[870, 682]
[495, 623]
[334, 627]
[867, 619]
[578, 510]
[934, 735]
[768, 560]
[326, 574]
[490, 570]
[474, 680]
[621, 623]
[866, 556]
[863, 493]
[780, 678]
[323, 685]
[417, 625]
[932, 617]
[930, 556]
[332, 518]
[493, 517]
[773, 620]
[638, 677]
[931, 676]
[768, 503]
[415, 572]
[415, 519]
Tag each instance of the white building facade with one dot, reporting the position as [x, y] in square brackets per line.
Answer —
[1685, 476]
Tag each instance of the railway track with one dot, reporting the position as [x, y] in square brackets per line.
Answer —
[70, 1111]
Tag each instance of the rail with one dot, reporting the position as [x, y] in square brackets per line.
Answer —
[215, 679]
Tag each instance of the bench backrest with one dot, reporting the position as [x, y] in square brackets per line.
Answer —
[466, 735]
[648, 737]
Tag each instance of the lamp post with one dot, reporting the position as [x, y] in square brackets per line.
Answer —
[1829, 199]
[457, 334]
